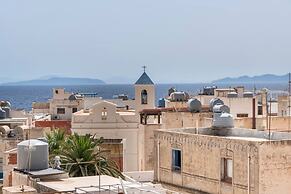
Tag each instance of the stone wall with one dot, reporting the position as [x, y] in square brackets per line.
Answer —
[275, 167]
[201, 162]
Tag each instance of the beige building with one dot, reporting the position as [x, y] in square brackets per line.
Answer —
[283, 106]
[241, 103]
[64, 104]
[224, 161]
[120, 125]
[104, 120]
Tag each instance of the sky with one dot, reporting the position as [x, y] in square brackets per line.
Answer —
[180, 41]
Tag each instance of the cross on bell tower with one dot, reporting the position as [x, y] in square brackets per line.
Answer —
[144, 68]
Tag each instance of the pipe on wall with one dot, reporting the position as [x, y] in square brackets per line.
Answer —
[254, 114]
[158, 170]
[249, 185]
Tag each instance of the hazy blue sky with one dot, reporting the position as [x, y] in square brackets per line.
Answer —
[179, 40]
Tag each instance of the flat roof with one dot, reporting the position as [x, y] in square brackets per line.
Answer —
[234, 133]
[69, 184]
[90, 184]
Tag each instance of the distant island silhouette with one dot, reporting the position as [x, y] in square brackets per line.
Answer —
[56, 81]
[265, 78]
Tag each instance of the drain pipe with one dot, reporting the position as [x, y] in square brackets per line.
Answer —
[158, 152]
[249, 185]
[254, 114]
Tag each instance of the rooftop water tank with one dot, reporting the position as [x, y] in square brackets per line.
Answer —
[162, 103]
[5, 104]
[194, 105]
[178, 97]
[72, 97]
[32, 155]
[232, 95]
[4, 129]
[171, 90]
[224, 120]
[214, 102]
[221, 108]
[248, 95]
[7, 110]
[2, 114]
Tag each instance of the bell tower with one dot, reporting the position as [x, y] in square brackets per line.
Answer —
[144, 92]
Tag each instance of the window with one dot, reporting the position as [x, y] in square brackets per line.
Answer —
[176, 160]
[260, 110]
[57, 91]
[144, 97]
[74, 110]
[104, 114]
[226, 170]
[61, 111]
[242, 115]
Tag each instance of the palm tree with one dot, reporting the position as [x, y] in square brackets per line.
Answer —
[55, 140]
[82, 156]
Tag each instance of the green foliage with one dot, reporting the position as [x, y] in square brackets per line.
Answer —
[81, 155]
[56, 141]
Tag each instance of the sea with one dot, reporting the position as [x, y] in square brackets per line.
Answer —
[22, 97]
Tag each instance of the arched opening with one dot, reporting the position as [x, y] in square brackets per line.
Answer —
[144, 97]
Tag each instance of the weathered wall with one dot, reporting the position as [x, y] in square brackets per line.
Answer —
[275, 167]
[54, 124]
[171, 120]
[201, 162]
[9, 162]
[148, 156]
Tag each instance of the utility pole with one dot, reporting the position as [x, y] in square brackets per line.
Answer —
[289, 96]
[270, 117]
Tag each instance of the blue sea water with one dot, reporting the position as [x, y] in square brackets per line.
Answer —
[21, 97]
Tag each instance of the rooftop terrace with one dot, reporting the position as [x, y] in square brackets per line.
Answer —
[235, 133]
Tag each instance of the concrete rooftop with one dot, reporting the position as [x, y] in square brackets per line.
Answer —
[235, 133]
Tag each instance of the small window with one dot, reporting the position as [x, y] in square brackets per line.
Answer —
[57, 91]
[226, 170]
[176, 160]
[61, 111]
[104, 114]
[144, 97]
[242, 115]
[74, 110]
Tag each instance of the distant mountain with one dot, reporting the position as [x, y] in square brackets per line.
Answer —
[61, 81]
[120, 80]
[7, 79]
[266, 78]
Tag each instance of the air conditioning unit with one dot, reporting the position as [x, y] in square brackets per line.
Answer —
[57, 117]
